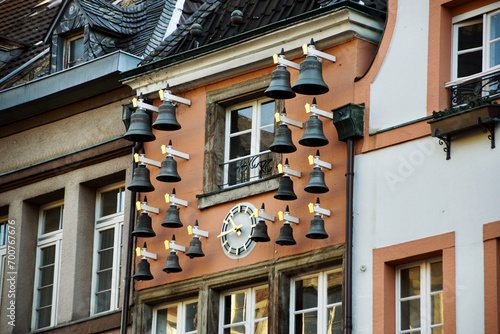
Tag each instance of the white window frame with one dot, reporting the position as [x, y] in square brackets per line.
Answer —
[463, 20]
[322, 306]
[181, 315]
[425, 296]
[255, 137]
[101, 224]
[46, 240]
[250, 319]
[3, 252]
[67, 51]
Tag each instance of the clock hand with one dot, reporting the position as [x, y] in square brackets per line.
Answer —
[234, 229]
[237, 228]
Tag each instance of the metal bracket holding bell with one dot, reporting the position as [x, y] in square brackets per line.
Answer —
[144, 253]
[314, 160]
[170, 151]
[194, 230]
[143, 206]
[260, 213]
[315, 208]
[310, 50]
[280, 60]
[281, 118]
[172, 199]
[140, 158]
[166, 95]
[173, 246]
[285, 216]
[311, 108]
[283, 169]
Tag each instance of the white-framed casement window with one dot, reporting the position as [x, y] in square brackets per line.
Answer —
[476, 42]
[108, 243]
[50, 232]
[73, 50]
[244, 311]
[176, 318]
[419, 297]
[249, 133]
[4, 226]
[316, 303]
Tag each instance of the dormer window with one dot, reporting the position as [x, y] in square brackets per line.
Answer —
[73, 49]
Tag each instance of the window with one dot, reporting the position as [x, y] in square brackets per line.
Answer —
[3, 250]
[476, 44]
[47, 265]
[108, 243]
[178, 318]
[419, 297]
[249, 133]
[316, 303]
[73, 51]
[244, 311]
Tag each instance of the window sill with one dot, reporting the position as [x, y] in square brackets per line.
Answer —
[238, 192]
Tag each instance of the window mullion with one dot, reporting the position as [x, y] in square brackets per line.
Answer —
[486, 44]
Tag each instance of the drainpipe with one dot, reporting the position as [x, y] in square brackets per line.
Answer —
[130, 250]
[348, 235]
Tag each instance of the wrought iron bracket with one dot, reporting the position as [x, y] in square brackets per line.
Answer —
[446, 140]
[488, 126]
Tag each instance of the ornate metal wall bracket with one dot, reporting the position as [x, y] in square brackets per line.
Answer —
[446, 140]
[488, 126]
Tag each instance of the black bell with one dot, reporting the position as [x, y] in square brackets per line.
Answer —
[140, 127]
[285, 189]
[317, 229]
[172, 265]
[316, 183]
[168, 172]
[140, 180]
[166, 119]
[283, 140]
[260, 232]
[172, 217]
[143, 228]
[195, 248]
[310, 80]
[280, 87]
[313, 133]
[143, 272]
[286, 236]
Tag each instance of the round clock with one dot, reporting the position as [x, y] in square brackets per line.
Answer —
[236, 230]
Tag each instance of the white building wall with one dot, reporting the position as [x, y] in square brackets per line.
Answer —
[410, 191]
[402, 79]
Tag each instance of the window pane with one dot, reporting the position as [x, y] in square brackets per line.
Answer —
[103, 301]
[266, 138]
[104, 279]
[75, 51]
[436, 276]
[334, 286]
[167, 320]
[470, 63]
[111, 202]
[306, 323]
[48, 256]
[105, 259]
[334, 320]
[410, 314]
[306, 293]
[470, 36]
[261, 327]
[3, 233]
[495, 27]
[410, 282]
[495, 54]
[239, 172]
[46, 276]
[191, 317]
[437, 330]
[267, 114]
[51, 220]
[437, 309]
[239, 146]
[43, 317]
[235, 330]
[45, 296]
[234, 308]
[261, 303]
[241, 119]
[107, 238]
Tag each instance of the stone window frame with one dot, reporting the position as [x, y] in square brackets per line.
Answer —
[216, 103]
[277, 273]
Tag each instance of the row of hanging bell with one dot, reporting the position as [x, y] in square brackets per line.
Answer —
[141, 176]
[316, 185]
[309, 82]
[141, 129]
[285, 238]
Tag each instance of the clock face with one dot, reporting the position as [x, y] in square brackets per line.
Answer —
[236, 230]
